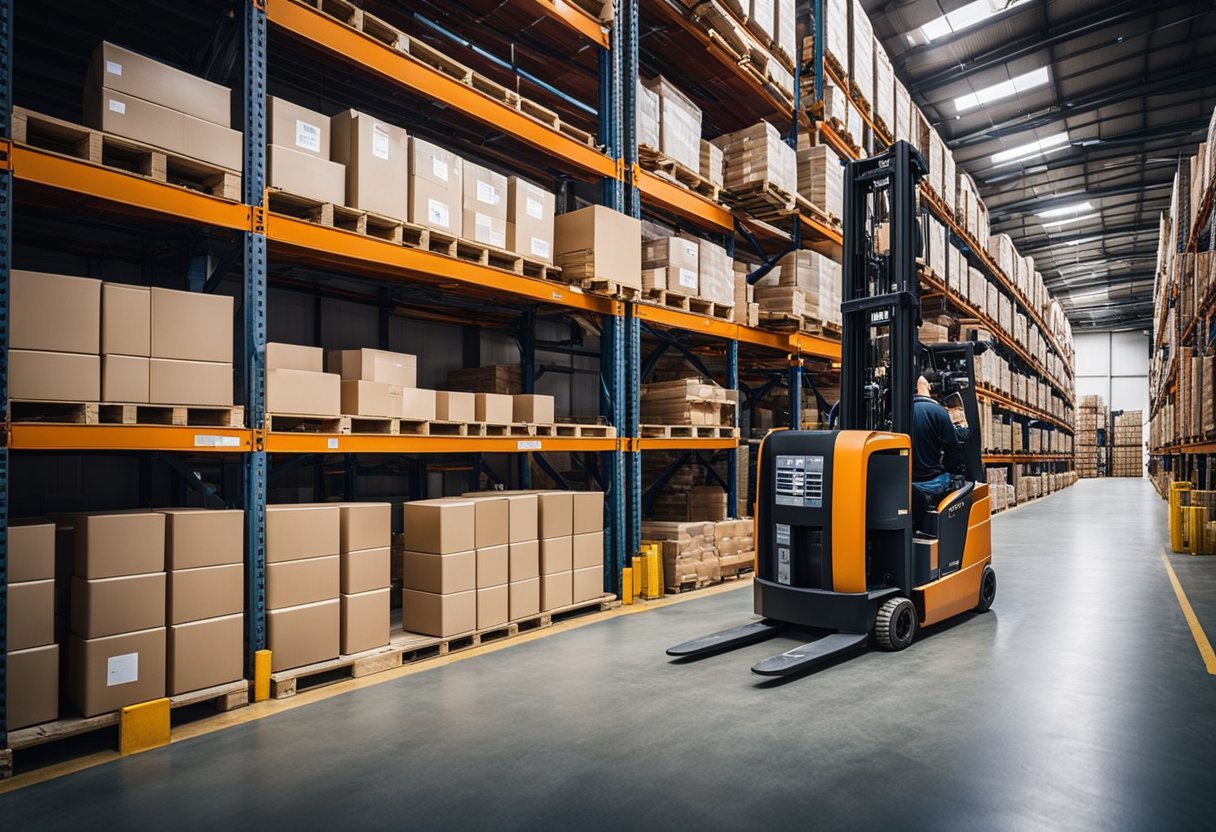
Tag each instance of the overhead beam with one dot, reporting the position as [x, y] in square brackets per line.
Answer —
[1046, 203]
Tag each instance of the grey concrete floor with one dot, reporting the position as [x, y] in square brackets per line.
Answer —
[1079, 702]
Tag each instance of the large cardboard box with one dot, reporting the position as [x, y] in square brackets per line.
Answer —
[436, 188]
[556, 590]
[455, 407]
[31, 614]
[492, 566]
[303, 393]
[529, 220]
[206, 592]
[111, 545]
[439, 527]
[588, 583]
[588, 511]
[440, 574]
[588, 551]
[417, 404]
[302, 531]
[365, 620]
[33, 686]
[303, 635]
[203, 654]
[492, 516]
[54, 312]
[485, 205]
[203, 537]
[31, 551]
[493, 606]
[533, 409]
[54, 376]
[365, 526]
[109, 606]
[197, 383]
[365, 570]
[555, 555]
[604, 244]
[439, 615]
[298, 128]
[555, 514]
[124, 378]
[126, 319]
[371, 398]
[523, 519]
[523, 598]
[290, 583]
[105, 674]
[523, 561]
[377, 159]
[294, 357]
[495, 408]
[680, 257]
[303, 174]
[398, 368]
[191, 326]
[125, 115]
[129, 72]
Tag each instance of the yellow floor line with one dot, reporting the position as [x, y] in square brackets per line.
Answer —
[261, 710]
[1201, 638]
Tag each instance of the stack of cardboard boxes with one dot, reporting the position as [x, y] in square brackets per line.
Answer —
[33, 655]
[54, 336]
[597, 243]
[820, 176]
[807, 285]
[299, 153]
[381, 383]
[530, 212]
[1127, 455]
[436, 188]
[671, 265]
[679, 125]
[297, 384]
[303, 583]
[376, 157]
[485, 205]
[1093, 419]
[687, 401]
[439, 570]
[191, 345]
[758, 156]
[364, 538]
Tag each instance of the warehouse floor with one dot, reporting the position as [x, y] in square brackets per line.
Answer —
[1079, 701]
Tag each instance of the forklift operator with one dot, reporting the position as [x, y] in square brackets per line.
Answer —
[935, 431]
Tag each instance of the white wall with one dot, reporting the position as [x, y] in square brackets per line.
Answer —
[1114, 365]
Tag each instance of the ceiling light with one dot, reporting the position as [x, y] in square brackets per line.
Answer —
[1043, 146]
[1022, 83]
[962, 18]
[1069, 220]
[1075, 208]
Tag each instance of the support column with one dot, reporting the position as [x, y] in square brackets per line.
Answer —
[6, 238]
[732, 456]
[633, 353]
[612, 408]
[795, 392]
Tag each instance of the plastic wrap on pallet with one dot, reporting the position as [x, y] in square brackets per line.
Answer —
[949, 178]
[679, 125]
[761, 19]
[884, 87]
[836, 31]
[711, 162]
[648, 116]
[787, 31]
[717, 274]
[936, 148]
[758, 154]
[834, 102]
[937, 247]
[821, 178]
[854, 122]
[817, 278]
[903, 112]
[861, 50]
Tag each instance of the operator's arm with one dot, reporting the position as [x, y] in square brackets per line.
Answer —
[944, 427]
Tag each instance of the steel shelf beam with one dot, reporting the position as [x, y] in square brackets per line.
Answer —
[364, 443]
[573, 18]
[179, 439]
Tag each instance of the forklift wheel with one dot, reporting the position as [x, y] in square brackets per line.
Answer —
[895, 625]
[987, 590]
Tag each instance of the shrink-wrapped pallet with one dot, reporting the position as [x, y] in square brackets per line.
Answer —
[787, 32]
[861, 51]
[679, 125]
[648, 117]
[884, 87]
[717, 274]
[903, 112]
[821, 177]
[836, 32]
[756, 156]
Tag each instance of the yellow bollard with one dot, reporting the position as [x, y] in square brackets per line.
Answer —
[143, 726]
[627, 586]
[1179, 496]
[639, 571]
[261, 675]
[653, 585]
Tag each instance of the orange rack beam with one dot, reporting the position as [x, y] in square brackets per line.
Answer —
[573, 18]
[44, 437]
[330, 443]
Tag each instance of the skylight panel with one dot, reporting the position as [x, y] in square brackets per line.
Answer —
[996, 92]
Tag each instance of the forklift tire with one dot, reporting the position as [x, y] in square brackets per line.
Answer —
[895, 624]
[987, 590]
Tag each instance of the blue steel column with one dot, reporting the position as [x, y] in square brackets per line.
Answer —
[732, 456]
[612, 401]
[817, 68]
[632, 345]
[609, 70]
[629, 109]
[795, 393]
[633, 496]
[254, 184]
[6, 235]
[527, 368]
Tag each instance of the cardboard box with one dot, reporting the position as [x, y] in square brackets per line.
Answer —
[555, 555]
[124, 378]
[523, 561]
[54, 376]
[436, 188]
[492, 514]
[31, 551]
[191, 325]
[105, 674]
[588, 512]
[203, 537]
[680, 257]
[33, 686]
[111, 545]
[492, 566]
[533, 409]
[555, 515]
[54, 312]
[371, 398]
[125, 115]
[556, 590]
[303, 393]
[484, 205]
[524, 514]
[455, 407]
[438, 615]
[495, 408]
[109, 606]
[302, 531]
[294, 357]
[290, 583]
[493, 606]
[198, 383]
[31, 614]
[417, 404]
[530, 212]
[143, 77]
[523, 598]
[206, 592]
[365, 570]
[588, 551]
[365, 620]
[364, 526]
[440, 574]
[396, 368]
[303, 174]
[298, 128]
[606, 242]
[377, 158]
[203, 654]
[126, 319]
[588, 583]
[303, 635]
[439, 527]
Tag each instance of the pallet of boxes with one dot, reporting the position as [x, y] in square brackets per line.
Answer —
[801, 293]
[1092, 420]
[1127, 453]
[689, 274]
[699, 553]
[687, 407]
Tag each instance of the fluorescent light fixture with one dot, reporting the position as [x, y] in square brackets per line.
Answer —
[1075, 208]
[963, 18]
[1042, 146]
[1070, 220]
[1022, 83]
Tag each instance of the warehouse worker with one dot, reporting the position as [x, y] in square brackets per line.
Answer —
[936, 431]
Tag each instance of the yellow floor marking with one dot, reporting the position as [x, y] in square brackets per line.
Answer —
[1201, 639]
[261, 710]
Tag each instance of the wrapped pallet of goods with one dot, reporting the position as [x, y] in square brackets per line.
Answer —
[716, 278]
[679, 125]
[836, 34]
[688, 401]
[861, 55]
[903, 112]
[820, 176]
[884, 89]
[647, 117]
[786, 38]
[806, 291]
[758, 161]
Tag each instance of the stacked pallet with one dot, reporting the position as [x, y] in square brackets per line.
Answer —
[1093, 420]
[688, 401]
[820, 177]
[804, 291]
[689, 558]
[734, 545]
[1127, 455]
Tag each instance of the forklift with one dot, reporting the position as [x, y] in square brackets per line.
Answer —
[837, 551]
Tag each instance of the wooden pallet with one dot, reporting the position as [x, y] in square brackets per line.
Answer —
[785, 322]
[119, 153]
[611, 288]
[667, 168]
[585, 431]
[763, 200]
[689, 431]
[739, 570]
[163, 414]
[284, 683]
[701, 306]
[304, 423]
[359, 20]
[859, 100]
[62, 413]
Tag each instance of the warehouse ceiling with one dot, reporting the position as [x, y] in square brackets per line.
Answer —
[1111, 96]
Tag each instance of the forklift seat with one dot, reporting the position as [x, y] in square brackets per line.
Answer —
[949, 524]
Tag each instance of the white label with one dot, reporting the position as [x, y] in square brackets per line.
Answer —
[331, 444]
[487, 193]
[308, 136]
[690, 249]
[114, 67]
[379, 142]
[688, 278]
[118, 107]
[439, 168]
[540, 247]
[528, 445]
[211, 440]
[536, 208]
[437, 212]
[121, 670]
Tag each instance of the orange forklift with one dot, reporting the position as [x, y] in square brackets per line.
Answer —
[837, 552]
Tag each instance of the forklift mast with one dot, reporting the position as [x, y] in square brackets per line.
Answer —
[881, 290]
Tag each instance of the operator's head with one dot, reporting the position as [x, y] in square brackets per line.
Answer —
[922, 387]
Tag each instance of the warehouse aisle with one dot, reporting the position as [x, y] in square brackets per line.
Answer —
[1079, 702]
